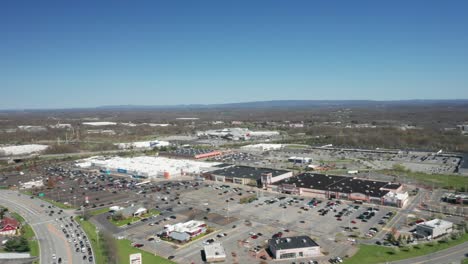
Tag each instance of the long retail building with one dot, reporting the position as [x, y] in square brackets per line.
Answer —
[147, 167]
[343, 187]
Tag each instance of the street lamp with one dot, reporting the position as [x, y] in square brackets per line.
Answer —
[97, 237]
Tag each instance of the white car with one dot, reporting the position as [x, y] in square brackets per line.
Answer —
[54, 256]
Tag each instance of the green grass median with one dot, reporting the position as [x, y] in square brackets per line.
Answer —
[90, 231]
[18, 217]
[57, 204]
[130, 220]
[99, 211]
[29, 234]
[370, 254]
[125, 248]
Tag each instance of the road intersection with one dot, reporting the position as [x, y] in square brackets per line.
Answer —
[53, 244]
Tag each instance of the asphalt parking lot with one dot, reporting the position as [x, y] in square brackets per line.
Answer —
[219, 205]
[258, 217]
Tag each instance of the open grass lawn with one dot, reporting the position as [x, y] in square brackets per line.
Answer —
[125, 248]
[17, 217]
[90, 231]
[369, 254]
[29, 234]
[123, 222]
[99, 211]
[33, 248]
[440, 180]
[58, 204]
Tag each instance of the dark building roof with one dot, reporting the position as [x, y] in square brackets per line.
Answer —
[291, 242]
[342, 184]
[392, 186]
[247, 172]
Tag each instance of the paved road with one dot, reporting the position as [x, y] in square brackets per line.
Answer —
[47, 228]
[447, 256]
[399, 219]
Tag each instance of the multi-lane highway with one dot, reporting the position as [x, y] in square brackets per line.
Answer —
[54, 245]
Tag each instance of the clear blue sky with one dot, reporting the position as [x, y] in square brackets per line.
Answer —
[91, 53]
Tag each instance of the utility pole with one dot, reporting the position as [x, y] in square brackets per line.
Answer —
[228, 210]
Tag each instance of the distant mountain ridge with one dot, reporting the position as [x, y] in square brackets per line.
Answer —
[281, 104]
[296, 104]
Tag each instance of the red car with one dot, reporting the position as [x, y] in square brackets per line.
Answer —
[254, 237]
[353, 222]
[278, 235]
[138, 245]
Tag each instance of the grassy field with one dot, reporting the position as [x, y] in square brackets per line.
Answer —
[134, 219]
[369, 254]
[99, 211]
[29, 234]
[17, 217]
[439, 180]
[125, 249]
[57, 204]
[90, 231]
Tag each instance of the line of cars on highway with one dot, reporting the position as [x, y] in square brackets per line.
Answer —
[76, 237]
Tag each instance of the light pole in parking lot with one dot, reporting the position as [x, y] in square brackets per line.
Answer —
[227, 210]
[97, 238]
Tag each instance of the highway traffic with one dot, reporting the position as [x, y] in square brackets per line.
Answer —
[61, 240]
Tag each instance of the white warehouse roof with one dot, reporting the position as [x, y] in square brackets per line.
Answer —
[148, 166]
[22, 149]
[262, 147]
